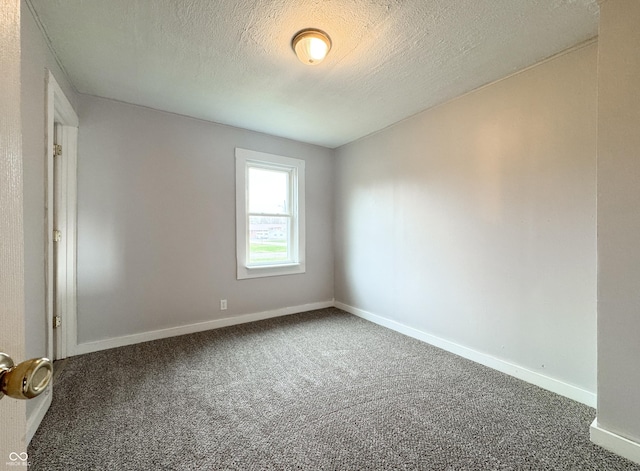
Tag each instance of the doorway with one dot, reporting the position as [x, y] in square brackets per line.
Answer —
[62, 141]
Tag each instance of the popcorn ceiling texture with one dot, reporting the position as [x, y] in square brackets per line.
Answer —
[231, 62]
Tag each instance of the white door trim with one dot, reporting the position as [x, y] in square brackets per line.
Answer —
[60, 111]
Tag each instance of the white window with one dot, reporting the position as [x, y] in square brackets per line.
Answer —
[269, 214]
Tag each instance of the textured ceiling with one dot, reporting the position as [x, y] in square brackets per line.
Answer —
[231, 61]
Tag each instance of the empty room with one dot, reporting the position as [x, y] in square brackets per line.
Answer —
[320, 234]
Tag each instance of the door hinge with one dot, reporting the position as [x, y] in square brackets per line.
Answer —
[57, 322]
[57, 150]
[57, 236]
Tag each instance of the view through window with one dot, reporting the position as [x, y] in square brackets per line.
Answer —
[269, 215]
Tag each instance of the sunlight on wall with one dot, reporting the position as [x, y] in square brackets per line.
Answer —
[101, 261]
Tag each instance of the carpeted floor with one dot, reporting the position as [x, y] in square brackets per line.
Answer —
[319, 390]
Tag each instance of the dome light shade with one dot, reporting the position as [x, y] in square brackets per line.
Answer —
[311, 46]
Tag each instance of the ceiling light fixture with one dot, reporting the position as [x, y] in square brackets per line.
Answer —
[311, 46]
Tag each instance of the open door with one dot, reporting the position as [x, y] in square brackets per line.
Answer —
[13, 446]
[60, 273]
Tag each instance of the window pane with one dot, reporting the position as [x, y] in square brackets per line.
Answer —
[268, 191]
[269, 240]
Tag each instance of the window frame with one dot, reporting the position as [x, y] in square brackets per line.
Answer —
[245, 159]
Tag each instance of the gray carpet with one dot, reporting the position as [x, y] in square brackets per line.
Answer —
[318, 390]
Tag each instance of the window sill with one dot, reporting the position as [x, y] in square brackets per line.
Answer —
[260, 271]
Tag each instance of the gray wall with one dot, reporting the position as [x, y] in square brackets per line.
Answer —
[36, 57]
[476, 221]
[619, 218]
[156, 222]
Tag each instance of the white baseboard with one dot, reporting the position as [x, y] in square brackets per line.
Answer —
[36, 416]
[614, 443]
[106, 344]
[545, 382]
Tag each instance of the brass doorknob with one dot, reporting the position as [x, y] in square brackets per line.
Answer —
[26, 380]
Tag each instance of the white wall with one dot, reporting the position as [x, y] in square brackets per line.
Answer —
[476, 221]
[156, 222]
[619, 220]
[36, 58]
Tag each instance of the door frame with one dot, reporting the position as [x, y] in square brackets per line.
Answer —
[59, 111]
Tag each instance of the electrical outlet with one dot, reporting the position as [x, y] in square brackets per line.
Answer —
[223, 304]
